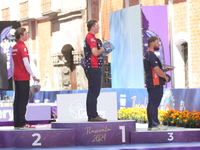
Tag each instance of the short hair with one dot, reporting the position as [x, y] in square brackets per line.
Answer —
[19, 31]
[152, 39]
[90, 24]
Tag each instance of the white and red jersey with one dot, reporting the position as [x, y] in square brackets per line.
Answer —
[19, 52]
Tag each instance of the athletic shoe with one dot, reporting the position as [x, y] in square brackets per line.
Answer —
[98, 118]
[149, 129]
[27, 126]
[158, 128]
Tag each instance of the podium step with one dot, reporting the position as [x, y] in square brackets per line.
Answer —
[172, 135]
[69, 135]
[100, 133]
[35, 138]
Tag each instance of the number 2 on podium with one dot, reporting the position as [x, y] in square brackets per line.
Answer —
[36, 142]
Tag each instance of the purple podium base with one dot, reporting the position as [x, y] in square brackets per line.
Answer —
[172, 135]
[100, 133]
[35, 138]
[95, 133]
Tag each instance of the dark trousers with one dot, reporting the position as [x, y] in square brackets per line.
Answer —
[155, 96]
[20, 102]
[94, 86]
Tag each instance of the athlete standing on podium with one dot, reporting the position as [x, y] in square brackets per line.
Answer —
[94, 59]
[21, 76]
[154, 74]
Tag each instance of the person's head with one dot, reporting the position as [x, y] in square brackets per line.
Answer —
[21, 34]
[93, 26]
[153, 42]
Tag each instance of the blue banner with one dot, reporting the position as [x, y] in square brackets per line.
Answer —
[176, 99]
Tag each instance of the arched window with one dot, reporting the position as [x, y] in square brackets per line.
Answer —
[185, 59]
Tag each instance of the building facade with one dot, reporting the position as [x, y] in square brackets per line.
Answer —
[56, 32]
[57, 29]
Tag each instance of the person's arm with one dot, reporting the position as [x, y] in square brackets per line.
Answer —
[97, 52]
[160, 73]
[28, 69]
[93, 44]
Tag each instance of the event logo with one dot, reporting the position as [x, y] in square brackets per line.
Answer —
[77, 109]
[7, 41]
[139, 105]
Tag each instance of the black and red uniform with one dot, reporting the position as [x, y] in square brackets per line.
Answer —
[21, 78]
[93, 74]
[154, 87]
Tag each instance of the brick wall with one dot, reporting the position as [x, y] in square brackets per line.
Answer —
[180, 16]
[108, 6]
[27, 29]
[154, 2]
[33, 37]
[95, 9]
[133, 2]
[195, 44]
[45, 61]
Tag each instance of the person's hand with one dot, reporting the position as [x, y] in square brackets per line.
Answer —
[99, 43]
[36, 79]
[169, 69]
[166, 79]
[105, 62]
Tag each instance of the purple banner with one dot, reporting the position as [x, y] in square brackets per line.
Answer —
[7, 41]
[155, 23]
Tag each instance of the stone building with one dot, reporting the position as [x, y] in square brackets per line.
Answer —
[57, 29]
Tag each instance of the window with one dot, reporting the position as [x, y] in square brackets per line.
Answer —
[5, 14]
[185, 58]
[46, 5]
[23, 10]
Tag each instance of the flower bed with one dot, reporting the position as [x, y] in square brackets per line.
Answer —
[171, 117]
[140, 115]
